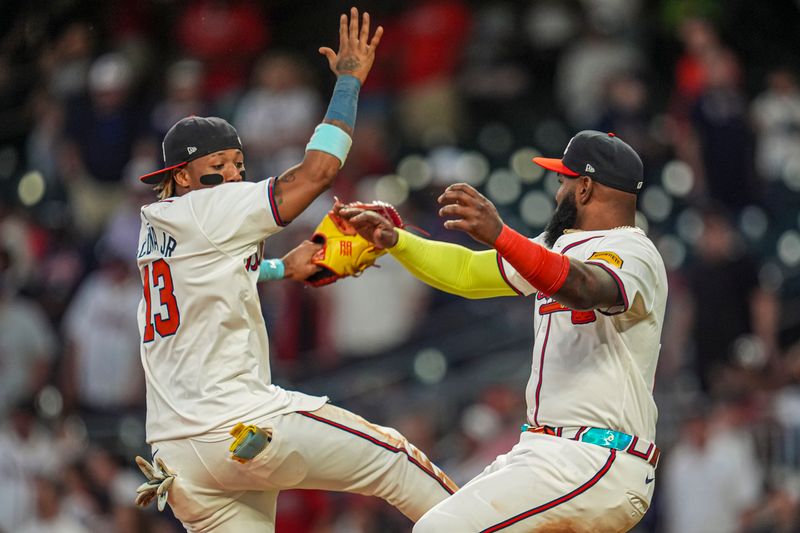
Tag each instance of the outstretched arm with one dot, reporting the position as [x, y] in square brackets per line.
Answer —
[573, 283]
[442, 265]
[296, 188]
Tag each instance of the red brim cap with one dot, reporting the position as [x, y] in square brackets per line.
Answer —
[556, 165]
[154, 178]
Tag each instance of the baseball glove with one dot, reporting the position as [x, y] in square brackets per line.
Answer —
[344, 252]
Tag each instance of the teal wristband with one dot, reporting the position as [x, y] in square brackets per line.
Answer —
[331, 140]
[270, 269]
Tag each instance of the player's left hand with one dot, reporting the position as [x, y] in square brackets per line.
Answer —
[297, 264]
[471, 212]
[356, 49]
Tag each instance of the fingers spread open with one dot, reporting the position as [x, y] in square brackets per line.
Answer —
[329, 54]
[342, 31]
[451, 196]
[364, 29]
[459, 224]
[469, 190]
[353, 25]
[455, 210]
[376, 39]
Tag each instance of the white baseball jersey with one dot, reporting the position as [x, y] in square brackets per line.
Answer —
[596, 368]
[204, 349]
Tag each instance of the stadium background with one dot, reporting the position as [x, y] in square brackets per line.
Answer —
[706, 91]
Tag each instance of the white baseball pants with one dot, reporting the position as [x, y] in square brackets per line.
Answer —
[549, 484]
[327, 449]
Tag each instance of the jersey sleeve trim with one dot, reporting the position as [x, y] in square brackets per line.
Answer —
[505, 276]
[272, 204]
[578, 243]
[626, 302]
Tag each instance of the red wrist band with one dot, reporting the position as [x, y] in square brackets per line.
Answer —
[545, 270]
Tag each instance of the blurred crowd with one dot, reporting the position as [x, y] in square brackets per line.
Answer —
[707, 92]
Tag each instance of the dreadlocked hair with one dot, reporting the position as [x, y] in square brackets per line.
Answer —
[166, 189]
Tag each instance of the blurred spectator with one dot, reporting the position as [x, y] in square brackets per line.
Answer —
[104, 127]
[276, 117]
[776, 115]
[726, 141]
[115, 488]
[21, 240]
[493, 70]
[701, 43]
[428, 106]
[66, 61]
[627, 114]
[27, 342]
[45, 138]
[490, 429]
[550, 24]
[59, 270]
[101, 371]
[183, 98]
[49, 517]
[226, 35]
[369, 156]
[585, 68]
[711, 479]
[78, 500]
[725, 288]
[614, 16]
[27, 450]
[121, 233]
[102, 132]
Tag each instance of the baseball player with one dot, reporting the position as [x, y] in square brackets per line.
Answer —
[224, 439]
[586, 458]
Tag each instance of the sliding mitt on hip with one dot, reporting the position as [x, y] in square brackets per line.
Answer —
[344, 252]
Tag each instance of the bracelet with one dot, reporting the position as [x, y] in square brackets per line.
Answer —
[344, 100]
[271, 269]
[331, 140]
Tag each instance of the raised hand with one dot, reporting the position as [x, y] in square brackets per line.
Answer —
[369, 224]
[356, 50]
[471, 212]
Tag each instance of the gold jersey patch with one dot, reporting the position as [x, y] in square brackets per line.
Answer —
[609, 257]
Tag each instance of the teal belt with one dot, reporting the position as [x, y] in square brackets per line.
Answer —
[607, 438]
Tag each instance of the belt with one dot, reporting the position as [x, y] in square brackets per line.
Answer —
[607, 438]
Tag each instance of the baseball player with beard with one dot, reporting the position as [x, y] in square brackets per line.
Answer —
[224, 439]
[586, 458]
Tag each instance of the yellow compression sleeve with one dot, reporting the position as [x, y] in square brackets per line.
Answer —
[451, 268]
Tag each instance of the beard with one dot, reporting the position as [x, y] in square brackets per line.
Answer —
[565, 217]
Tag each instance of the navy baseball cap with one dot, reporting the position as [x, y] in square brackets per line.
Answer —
[604, 157]
[192, 138]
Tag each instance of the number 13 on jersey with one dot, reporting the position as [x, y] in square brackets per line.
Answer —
[166, 318]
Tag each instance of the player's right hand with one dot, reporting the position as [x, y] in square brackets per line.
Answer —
[369, 224]
[297, 264]
[356, 51]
